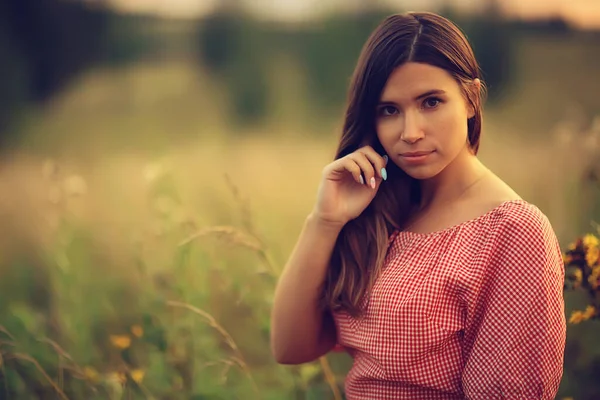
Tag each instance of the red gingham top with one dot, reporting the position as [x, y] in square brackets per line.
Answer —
[474, 311]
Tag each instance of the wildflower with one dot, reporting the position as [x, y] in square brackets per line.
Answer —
[137, 375]
[119, 377]
[580, 316]
[567, 259]
[590, 241]
[120, 341]
[592, 255]
[594, 276]
[137, 331]
[90, 374]
[589, 312]
[576, 317]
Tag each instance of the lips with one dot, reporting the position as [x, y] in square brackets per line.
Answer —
[415, 157]
[416, 153]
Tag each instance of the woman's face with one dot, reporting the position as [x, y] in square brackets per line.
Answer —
[421, 119]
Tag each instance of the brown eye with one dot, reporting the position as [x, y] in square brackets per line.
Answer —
[432, 102]
[387, 111]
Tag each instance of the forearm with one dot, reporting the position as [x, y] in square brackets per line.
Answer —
[300, 331]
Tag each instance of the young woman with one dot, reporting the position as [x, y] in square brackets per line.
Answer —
[435, 276]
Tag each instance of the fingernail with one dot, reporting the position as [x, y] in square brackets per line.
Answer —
[362, 181]
[384, 174]
[373, 182]
[385, 158]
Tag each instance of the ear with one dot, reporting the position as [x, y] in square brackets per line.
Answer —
[476, 89]
[470, 110]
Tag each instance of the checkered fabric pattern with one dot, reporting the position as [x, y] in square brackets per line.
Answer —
[474, 311]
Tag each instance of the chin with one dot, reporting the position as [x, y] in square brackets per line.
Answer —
[423, 172]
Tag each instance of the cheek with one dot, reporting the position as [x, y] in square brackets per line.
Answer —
[451, 123]
[386, 132]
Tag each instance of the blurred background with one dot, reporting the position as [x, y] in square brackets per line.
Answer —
[158, 159]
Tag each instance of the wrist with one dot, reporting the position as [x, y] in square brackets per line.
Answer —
[323, 222]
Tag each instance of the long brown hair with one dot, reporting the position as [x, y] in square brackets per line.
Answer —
[362, 245]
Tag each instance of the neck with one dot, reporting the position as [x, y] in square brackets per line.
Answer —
[453, 182]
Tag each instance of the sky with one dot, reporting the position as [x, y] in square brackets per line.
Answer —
[583, 13]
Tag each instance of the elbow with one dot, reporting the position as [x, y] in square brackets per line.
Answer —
[279, 354]
[285, 359]
[293, 359]
[292, 344]
[286, 353]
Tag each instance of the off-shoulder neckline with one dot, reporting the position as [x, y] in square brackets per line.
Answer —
[464, 223]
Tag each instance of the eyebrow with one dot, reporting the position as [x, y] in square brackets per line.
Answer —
[421, 96]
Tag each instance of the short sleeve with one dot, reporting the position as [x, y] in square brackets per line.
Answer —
[515, 337]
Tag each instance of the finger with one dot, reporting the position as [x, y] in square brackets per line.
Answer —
[345, 165]
[379, 162]
[354, 169]
[366, 167]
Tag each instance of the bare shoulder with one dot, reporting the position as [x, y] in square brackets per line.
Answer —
[516, 214]
[491, 194]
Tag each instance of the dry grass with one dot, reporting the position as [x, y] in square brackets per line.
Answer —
[146, 203]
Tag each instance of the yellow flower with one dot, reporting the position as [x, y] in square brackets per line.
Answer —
[137, 375]
[591, 256]
[593, 278]
[120, 341]
[590, 241]
[589, 312]
[90, 374]
[117, 377]
[576, 317]
[572, 246]
[137, 330]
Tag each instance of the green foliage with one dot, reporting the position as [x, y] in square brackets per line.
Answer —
[14, 87]
[55, 38]
[238, 51]
[233, 49]
[329, 53]
[195, 328]
[43, 46]
[493, 45]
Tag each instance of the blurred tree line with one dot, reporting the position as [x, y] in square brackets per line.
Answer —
[44, 45]
[236, 50]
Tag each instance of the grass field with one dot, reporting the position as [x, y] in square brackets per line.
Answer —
[145, 237]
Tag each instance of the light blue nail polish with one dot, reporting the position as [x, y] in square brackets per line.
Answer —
[362, 181]
[384, 174]
[385, 158]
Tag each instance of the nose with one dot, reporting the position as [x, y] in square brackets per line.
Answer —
[411, 132]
